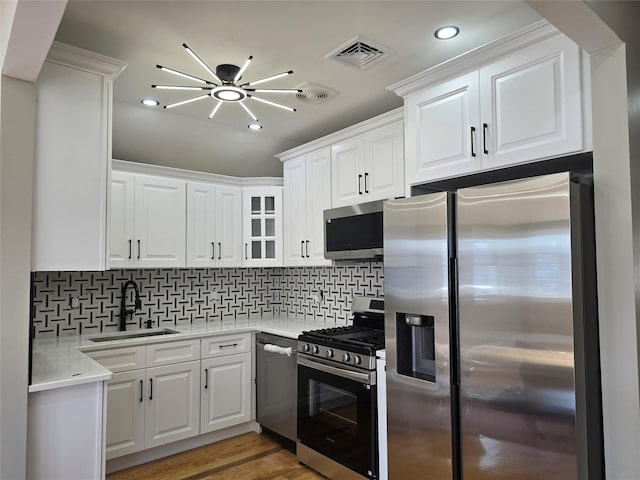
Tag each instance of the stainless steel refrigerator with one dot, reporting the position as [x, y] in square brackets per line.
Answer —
[492, 333]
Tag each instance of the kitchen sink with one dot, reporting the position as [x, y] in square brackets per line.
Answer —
[133, 334]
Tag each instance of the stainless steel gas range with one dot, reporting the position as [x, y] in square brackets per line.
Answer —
[337, 400]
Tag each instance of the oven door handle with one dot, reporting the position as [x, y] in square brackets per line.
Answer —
[368, 378]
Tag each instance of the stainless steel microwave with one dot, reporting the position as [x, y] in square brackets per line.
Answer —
[354, 232]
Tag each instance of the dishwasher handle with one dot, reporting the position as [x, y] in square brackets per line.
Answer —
[274, 348]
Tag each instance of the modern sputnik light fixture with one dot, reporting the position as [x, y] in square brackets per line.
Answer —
[225, 88]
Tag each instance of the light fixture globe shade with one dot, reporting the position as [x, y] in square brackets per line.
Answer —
[228, 93]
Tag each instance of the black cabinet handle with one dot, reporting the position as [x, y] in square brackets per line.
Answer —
[151, 389]
[307, 248]
[219, 250]
[129, 249]
[232, 345]
[473, 136]
[245, 251]
[206, 378]
[366, 175]
[213, 250]
[301, 248]
[484, 138]
[360, 184]
[141, 386]
[138, 249]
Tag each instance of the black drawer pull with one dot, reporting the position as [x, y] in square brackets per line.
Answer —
[151, 389]
[213, 250]
[484, 138]
[206, 378]
[141, 386]
[473, 136]
[233, 345]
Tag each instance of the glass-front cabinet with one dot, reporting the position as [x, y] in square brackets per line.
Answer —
[262, 227]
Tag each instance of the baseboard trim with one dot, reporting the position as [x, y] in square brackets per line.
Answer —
[138, 458]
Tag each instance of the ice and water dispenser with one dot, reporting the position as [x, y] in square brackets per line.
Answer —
[416, 346]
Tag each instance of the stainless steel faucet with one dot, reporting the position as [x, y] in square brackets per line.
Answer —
[123, 301]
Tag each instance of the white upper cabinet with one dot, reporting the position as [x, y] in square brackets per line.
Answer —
[531, 104]
[158, 215]
[72, 159]
[368, 167]
[441, 130]
[214, 227]
[307, 193]
[384, 163]
[521, 102]
[262, 229]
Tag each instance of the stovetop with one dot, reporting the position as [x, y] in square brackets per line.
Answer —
[354, 345]
[360, 339]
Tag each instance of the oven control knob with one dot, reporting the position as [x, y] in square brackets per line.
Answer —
[315, 349]
[357, 360]
[305, 347]
[329, 353]
[346, 357]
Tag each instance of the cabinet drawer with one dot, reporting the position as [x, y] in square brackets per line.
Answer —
[225, 345]
[120, 359]
[172, 352]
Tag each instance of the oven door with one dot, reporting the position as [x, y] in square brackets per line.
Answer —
[337, 414]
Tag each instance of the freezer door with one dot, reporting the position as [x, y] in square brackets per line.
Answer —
[518, 404]
[417, 338]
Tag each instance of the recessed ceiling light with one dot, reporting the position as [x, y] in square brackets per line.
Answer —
[254, 126]
[150, 102]
[446, 32]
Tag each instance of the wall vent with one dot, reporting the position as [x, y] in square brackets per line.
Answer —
[360, 52]
[315, 93]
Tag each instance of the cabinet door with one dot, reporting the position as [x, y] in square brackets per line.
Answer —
[201, 223]
[122, 220]
[160, 221]
[442, 130]
[226, 393]
[125, 413]
[384, 163]
[294, 211]
[318, 198]
[172, 403]
[262, 227]
[70, 169]
[347, 172]
[532, 104]
[228, 227]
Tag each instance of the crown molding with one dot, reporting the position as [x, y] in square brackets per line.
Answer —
[476, 58]
[382, 120]
[194, 176]
[91, 62]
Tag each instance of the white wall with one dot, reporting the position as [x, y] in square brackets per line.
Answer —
[17, 133]
[617, 225]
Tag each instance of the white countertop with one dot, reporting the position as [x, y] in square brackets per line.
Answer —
[59, 362]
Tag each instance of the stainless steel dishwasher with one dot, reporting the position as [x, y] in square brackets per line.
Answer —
[276, 384]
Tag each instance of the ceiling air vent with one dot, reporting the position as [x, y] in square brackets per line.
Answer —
[314, 93]
[360, 52]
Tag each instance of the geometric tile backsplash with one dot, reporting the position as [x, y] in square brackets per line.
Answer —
[74, 303]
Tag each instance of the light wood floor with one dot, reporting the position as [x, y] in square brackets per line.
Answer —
[248, 457]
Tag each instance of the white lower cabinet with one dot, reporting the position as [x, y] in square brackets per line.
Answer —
[226, 394]
[225, 398]
[162, 393]
[125, 413]
[172, 411]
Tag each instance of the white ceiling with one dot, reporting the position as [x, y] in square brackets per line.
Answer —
[281, 35]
